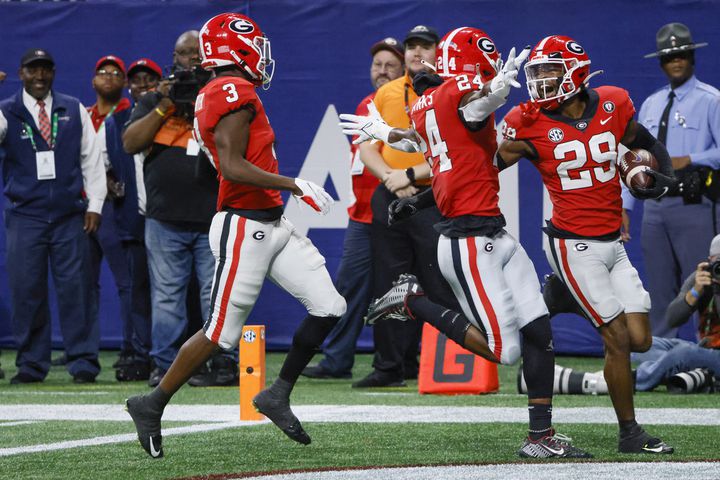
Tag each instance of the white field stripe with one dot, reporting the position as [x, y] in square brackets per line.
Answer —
[364, 414]
[53, 393]
[125, 437]
[554, 470]
[14, 424]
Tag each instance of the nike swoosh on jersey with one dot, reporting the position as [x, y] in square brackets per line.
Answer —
[603, 122]
[153, 453]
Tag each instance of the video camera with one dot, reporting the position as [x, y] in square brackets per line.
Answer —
[186, 84]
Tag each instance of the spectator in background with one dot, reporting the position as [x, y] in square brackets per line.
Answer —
[407, 246]
[109, 82]
[354, 276]
[668, 356]
[134, 363]
[685, 116]
[51, 157]
[181, 188]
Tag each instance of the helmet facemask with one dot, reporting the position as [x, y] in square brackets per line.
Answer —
[550, 80]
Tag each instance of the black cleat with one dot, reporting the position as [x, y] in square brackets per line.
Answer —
[147, 424]
[553, 445]
[277, 410]
[394, 303]
[639, 441]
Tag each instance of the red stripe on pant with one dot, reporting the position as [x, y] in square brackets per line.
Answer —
[487, 306]
[227, 288]
[573, 282]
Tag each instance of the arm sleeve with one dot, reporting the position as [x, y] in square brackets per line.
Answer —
[645, 140]
[679, 312]
[711, 156]
[91, 164]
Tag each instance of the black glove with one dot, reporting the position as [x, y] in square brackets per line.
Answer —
[663, 185]
[401, 209]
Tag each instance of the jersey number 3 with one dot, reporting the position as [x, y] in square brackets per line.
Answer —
[570, 178]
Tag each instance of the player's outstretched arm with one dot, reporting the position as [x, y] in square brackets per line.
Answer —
[232, 134]
[477, 106]
[373, 127]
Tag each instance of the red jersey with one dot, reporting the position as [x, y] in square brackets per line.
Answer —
[465, 179]
[221, 96]
[364, 183]
[584, 189]
[98, 119]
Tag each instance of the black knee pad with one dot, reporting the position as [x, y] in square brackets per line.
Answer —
[538, 333]
[313, 330]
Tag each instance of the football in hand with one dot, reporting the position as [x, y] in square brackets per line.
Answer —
[632, 166]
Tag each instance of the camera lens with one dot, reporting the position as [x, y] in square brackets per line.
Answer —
[715, 270]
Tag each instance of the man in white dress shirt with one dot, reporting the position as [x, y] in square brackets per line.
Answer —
[54, 191]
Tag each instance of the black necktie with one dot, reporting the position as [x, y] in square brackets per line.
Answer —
[662, 129]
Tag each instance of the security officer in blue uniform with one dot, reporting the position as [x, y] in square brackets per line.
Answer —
[50, 158]
[685, 116]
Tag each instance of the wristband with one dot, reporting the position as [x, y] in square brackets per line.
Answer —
[694, 293]
[411, 175]
[160, 112]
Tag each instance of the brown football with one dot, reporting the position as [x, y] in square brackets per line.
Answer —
[632, 168]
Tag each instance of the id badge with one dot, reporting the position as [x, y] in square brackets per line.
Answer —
[193, 149]
[357, 167]
[45, 165]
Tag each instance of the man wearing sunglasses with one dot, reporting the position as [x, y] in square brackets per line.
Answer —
[685, 116]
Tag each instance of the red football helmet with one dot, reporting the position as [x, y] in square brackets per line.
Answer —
[234, 39]
[468, 51]
[557, 69]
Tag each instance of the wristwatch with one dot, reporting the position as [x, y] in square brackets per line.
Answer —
[411, 175]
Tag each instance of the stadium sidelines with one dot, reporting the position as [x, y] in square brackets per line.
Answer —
[220, 417]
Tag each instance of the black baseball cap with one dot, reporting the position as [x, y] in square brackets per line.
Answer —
[389, 44]
[424, 33]
[36, 54]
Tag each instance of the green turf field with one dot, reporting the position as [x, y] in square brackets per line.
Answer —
[264, 448]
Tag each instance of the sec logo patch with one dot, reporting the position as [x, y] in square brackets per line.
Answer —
[556, 135]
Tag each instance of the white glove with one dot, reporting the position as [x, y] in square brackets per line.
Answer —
[507, 76]
[314, 195]
[371, 127]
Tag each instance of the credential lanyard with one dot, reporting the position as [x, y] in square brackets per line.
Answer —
[53, 133]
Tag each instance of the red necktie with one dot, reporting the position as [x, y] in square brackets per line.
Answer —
[44, 123]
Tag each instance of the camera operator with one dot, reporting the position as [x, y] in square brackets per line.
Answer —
[181, 188]
[701, 293]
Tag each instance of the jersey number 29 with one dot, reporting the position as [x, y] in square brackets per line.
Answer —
[584, 178]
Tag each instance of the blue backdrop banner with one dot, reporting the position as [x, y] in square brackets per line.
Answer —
[321, 48]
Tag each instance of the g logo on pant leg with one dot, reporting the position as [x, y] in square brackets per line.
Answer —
[581, 247]
[259, 235]
[488, 247]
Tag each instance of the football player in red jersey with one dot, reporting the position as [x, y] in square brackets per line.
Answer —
[249, 236]
[490, 274]
[570, 132]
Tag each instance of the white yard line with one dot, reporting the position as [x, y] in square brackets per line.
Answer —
[15, 424]
[125, 437]
[554, 470]
[364, 414]
[219, 417]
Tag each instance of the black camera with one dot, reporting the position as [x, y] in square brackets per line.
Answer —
[186, 84]
[714, 269]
